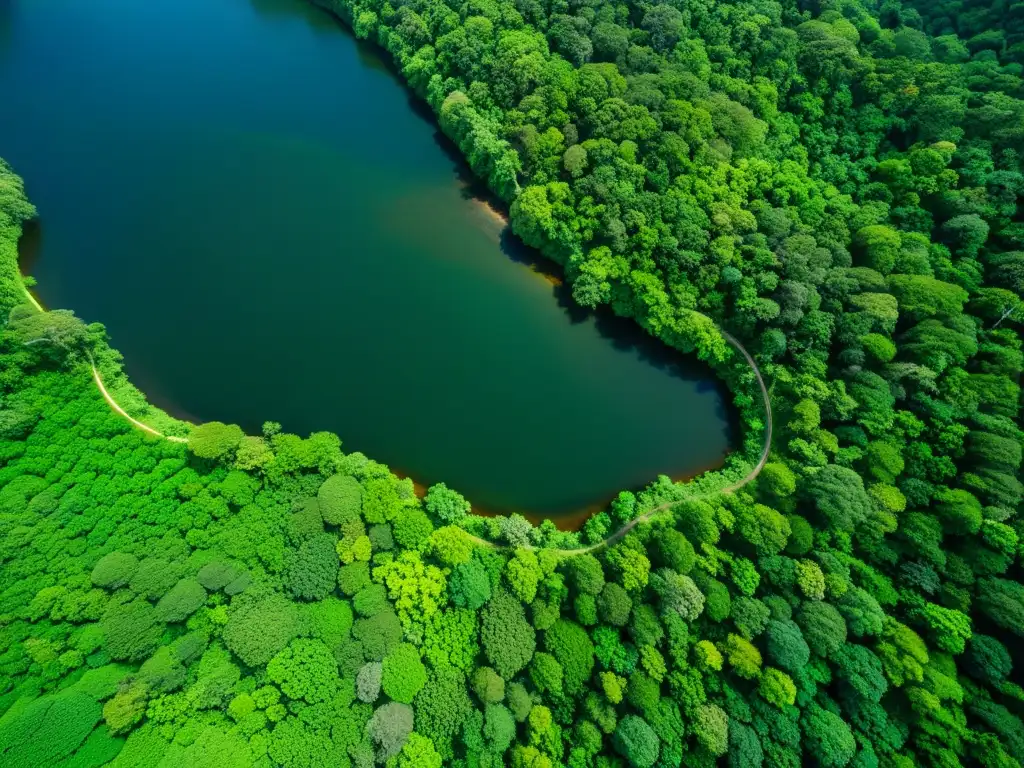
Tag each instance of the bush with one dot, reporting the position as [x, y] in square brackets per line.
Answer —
[259, 629]
[214, 440]
[131, 632]
[508, 639]
[636, 741]
[341, 499]
[185, 598]
[114, 570]
[314, 568]
[305, 670]
[403, 673]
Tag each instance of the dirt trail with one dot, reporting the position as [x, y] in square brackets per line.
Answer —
[652, 513]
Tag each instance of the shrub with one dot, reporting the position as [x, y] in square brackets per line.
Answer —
[403, 674]
[114, 570]
[508, 639]
[636, 741]
[185, 598]
[341, 499]
[215, 440]
[305, 670]
[314, 568]
[259, 629]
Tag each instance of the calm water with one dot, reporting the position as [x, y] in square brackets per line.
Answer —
[269, 229]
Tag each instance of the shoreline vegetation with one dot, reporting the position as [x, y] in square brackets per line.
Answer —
[105, 393]
[130, 403]
[462, 126]
[577, 521]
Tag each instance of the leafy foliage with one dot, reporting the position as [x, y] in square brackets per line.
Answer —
[835, 185]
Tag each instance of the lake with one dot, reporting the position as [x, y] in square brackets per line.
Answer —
[270, 229]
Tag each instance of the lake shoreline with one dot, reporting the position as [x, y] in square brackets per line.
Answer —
[536, 406]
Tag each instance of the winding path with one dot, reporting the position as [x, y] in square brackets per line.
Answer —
[121, 411]
[661, 508]
[103, 390]
[608, 540]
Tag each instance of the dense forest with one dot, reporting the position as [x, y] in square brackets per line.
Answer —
[834, 183]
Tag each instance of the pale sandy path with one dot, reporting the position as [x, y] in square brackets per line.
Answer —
[611, 539]
[106, 395]
[121, 411]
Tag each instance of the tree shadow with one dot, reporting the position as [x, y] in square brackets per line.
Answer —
[30, 244]
[319, 18]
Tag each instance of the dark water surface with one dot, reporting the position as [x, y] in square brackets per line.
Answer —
[269, 230]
